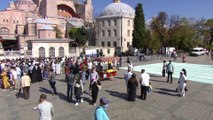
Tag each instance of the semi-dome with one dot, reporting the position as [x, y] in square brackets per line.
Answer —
[118, 9]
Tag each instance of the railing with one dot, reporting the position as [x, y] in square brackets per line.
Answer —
[12, 54]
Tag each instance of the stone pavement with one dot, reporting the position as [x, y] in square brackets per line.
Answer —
[162, 103]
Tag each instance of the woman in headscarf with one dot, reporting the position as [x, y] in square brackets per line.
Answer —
[5, 79]
[131, 87]
[182, 84]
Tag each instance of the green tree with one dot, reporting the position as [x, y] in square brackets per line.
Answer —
[80, 35]
[182, 35]
[58, 32]
[159, 27]
[139, 32]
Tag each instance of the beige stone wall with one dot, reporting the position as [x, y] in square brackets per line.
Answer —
[107, 51]
[119, 28]
[10, 19]
[47, 34]
[36, 46]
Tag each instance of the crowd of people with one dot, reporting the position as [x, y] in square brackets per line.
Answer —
[132, 83]
[21, 73]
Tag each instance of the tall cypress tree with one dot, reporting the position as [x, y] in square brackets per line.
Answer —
[139, 32]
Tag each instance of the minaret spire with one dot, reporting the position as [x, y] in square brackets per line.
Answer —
[116, 1]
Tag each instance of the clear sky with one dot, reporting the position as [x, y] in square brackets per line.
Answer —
[185, 8]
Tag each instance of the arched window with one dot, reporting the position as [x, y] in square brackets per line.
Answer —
[4, 31]
[115, 33]
[128, 32]
[128, 22]
[109, 24]
[61, 52]
[115, 22]
[42, 52]
[51, 52]
[103, 33]
[109, 33]
[103, 23]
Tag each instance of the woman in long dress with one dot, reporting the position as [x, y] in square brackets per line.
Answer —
[182, 84]
[5, 79]
[131, 87]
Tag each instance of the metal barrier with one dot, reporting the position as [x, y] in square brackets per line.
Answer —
[12, 54]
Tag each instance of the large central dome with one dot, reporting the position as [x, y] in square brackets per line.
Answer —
[118, 9]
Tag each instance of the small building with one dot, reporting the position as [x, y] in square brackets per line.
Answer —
[114, 26]
[47, 45]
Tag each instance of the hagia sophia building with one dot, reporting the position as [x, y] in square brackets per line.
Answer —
[28, 27]
[34, 20]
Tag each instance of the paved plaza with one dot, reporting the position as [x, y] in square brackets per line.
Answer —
[162, 103]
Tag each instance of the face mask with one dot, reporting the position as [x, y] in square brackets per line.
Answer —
[106, 106]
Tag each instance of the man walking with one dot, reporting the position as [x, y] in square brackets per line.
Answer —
[45, 108]
[144, 80]
[70, 80]
[25, 83]
[170, 70]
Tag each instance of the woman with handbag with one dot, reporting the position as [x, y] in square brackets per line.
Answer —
[94, 85]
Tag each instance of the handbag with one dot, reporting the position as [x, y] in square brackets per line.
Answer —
[99, 84]
[149, 88]
[99, 87]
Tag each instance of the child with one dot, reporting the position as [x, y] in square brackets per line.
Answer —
[78, 89]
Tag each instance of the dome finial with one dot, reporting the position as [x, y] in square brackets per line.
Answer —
[116, 1]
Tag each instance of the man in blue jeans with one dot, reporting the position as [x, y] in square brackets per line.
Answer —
[100, 112]
[170, 70]
[70, 80]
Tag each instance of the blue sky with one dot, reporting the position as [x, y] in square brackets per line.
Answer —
[185, 8]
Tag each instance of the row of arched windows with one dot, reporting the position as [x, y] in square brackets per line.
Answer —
[51, 52]
[4, 31]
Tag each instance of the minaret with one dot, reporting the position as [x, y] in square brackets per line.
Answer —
[116, 1]
[88, 11]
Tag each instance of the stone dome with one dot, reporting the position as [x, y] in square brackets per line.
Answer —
[118, 9]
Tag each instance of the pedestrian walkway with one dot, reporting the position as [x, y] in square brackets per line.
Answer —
[195, 72]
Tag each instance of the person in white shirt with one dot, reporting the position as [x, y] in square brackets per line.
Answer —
[89, 66]
[18, 71]
[144, 80]
[58, 68]
[54, 66]
[182, 84]
[45, 108]
[130, 65]
[15, 79]
[127, 76]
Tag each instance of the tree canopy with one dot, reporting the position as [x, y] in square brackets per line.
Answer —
[139, 32]
[80, 35]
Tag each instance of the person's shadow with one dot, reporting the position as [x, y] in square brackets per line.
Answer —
[45, 90]
[19, 94]
[117, 94]
[165, 91]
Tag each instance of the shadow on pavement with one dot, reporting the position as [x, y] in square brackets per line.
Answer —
[165, 91]
[88, 100]
[158, 81]
[117, 94]
[45, 90]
